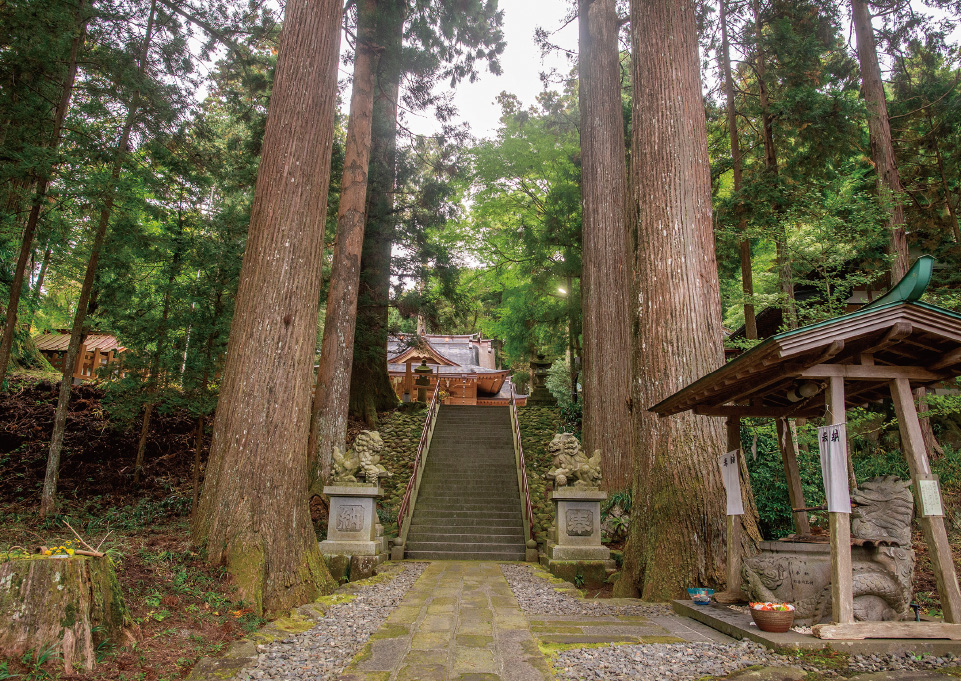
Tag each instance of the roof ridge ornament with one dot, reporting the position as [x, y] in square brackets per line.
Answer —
[911, 287]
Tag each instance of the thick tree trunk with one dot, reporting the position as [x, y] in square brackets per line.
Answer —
[879, 127]
[253, 515]
[677, 531]
[49, 496]
[747, 272]
[332, 394]
[43, 182]
[606, 260]
[370, 387]
[69, 604]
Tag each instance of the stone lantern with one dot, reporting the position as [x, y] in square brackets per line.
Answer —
[540, 395]
[423, 380]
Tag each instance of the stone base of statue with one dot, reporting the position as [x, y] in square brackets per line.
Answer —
[576, 535]
[352, 529]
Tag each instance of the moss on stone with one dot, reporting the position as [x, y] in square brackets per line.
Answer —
[390, 630]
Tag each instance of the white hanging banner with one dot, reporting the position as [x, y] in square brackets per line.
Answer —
[732, 482]
[833, 442]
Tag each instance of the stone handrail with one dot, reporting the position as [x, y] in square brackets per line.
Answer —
[521, 469]
[410, 494]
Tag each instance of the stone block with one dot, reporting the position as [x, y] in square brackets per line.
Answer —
[338, 565]
[592, 572]
[582, 553]
[397, 552]
[530, 555]
[353, 514]
[577, 516]
[350, 548]
[362, 567]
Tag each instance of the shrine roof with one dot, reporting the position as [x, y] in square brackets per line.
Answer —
[903, 336]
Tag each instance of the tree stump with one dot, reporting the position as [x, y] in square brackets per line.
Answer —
[72, 604]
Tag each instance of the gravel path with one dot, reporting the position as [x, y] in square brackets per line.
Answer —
[325, 650]
[673, 661]
[537, 596]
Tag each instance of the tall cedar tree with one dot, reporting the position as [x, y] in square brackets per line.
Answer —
[737, 165]
[425, 42]
[606, 268]
[676, 535]
[328, 427]
[41, 186]
[52, 477]
[882, 147]
[253, 514]
[370, 388]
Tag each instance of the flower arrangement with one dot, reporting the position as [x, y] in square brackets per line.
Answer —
[772, 607]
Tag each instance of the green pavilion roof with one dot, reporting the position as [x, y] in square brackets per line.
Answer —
[896, 330]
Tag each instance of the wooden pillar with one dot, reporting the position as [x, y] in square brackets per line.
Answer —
[912, 442]
[734, 556]
[785, 440]
[95, 367]
[408, 382]
[78, 366]
[842, 590]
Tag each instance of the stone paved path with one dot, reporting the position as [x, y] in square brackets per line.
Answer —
[461, 622]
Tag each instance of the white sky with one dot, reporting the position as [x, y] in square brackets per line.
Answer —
[521, 64]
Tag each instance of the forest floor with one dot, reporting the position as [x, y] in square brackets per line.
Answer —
[183, 608]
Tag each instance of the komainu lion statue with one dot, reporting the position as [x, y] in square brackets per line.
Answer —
[882, 571]
[362, 460]
[572, 464]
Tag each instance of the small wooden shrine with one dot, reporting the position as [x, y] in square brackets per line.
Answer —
[884, 350]
[97, 350]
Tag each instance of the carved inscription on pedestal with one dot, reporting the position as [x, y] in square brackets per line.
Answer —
[350, 519]
[580, 523]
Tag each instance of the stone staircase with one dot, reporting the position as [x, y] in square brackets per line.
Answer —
[469, 507]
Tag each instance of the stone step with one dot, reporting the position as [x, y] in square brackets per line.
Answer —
[446, 520]
[505, 506]
[439, 486]
[448, 555]
[441, 515]
[465, 547]
[424, 535]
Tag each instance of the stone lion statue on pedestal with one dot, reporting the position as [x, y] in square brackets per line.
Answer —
[571, 465]
[362, 460]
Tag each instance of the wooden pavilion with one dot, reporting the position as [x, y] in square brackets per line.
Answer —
[886, 349]
[97, 350]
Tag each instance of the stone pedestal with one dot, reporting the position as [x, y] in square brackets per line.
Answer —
[577, 518]
[353, 529]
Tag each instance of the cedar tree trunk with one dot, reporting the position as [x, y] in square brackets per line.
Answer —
[606, 261]
[253, 515]
[882, 148]
[370, 387]
[328, 428]
[747, 275]
[51, 479]
[677, 531]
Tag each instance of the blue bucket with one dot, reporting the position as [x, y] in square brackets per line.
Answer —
[701, 596]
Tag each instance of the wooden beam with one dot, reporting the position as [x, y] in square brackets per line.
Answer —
[950, 359]
[895, 335]
[842, 578]
[739, 410]
[862, 630]
[785, 440]
[912, 443]
[869, 372]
